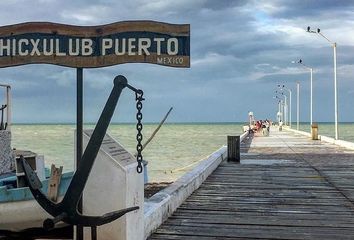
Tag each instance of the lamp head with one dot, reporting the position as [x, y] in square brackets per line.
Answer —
[308, 29]
[318, 30]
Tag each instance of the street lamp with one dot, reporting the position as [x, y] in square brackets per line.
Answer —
[297, 105]
[285, 88]
[279, 113]
[285, 112]
[334, 45]
[311, 91]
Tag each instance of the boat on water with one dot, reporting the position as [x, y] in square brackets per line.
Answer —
[18, 208]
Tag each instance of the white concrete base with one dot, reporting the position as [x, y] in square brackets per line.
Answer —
[114, 184]
[160, 206]
[243, 136]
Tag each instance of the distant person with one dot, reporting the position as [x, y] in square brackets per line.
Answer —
[264, 128]
[280, 125]
[258, 126]
[268, 125]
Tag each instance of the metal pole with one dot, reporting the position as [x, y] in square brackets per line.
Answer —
[290, 109]
[79, 130]
[298, 105]
[311, 90]
[281, 110]
[335, 91]
[334, 44]
[285, 110]
[311, 103]
[8, 111]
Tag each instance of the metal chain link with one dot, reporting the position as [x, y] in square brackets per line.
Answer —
[139, 127]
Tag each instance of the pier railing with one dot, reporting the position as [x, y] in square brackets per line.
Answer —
[342, 143]
[161, 205]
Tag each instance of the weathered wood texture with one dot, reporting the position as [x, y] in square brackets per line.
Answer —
[233, 149]
[286, 187]
[54, 182]
[33, 31]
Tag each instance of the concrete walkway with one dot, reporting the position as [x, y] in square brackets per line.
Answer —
[286, 187]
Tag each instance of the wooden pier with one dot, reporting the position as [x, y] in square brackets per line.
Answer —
[286, 187]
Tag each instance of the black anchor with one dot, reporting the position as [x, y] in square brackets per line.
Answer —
[66, 210]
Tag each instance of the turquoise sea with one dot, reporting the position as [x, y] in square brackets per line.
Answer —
[345, 130]
[174, 147]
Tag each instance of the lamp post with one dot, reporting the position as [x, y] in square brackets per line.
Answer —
[284, 106]
[290, 93]
[281, 110]
[334, 45]
[297, 105]
[311, 71]
[311, 88]
[279, 113]
[251, 118]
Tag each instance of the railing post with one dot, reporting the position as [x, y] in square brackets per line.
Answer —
[233, 149]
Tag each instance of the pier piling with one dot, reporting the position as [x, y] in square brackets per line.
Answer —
[233, 149]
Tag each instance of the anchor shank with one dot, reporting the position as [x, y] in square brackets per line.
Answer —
[81, 175]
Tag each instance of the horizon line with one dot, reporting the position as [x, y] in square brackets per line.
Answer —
[196, 122]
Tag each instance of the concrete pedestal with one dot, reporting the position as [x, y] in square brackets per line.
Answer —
[114, 184]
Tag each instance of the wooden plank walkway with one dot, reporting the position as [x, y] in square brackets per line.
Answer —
[286, 187]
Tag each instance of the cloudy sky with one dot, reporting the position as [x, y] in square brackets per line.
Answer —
[240, 51]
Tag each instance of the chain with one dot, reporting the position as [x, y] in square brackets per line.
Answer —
[139, 126]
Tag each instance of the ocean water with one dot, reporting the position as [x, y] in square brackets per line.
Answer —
[172, 152]
[345, 130]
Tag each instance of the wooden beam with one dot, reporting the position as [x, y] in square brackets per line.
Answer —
[54, 182]
[233, 149]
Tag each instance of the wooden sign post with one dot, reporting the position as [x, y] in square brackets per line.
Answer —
[93, 47]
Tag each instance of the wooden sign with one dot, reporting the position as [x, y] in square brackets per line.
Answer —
[95, 46]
